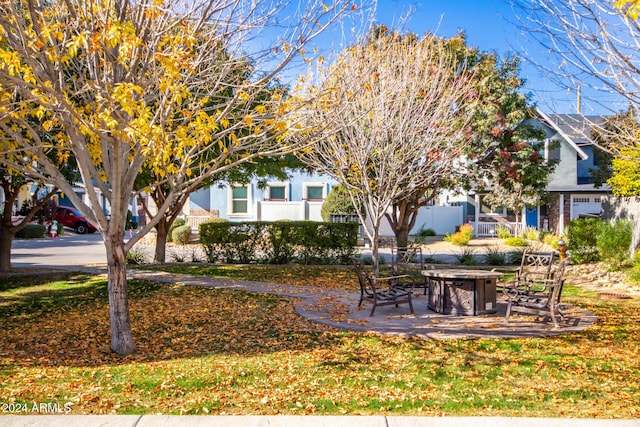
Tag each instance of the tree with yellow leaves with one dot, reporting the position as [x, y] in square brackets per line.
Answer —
[595, 44]
[20, 119]
[629, 7]
[136, 84]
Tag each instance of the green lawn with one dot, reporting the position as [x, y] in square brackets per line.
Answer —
[221, 351]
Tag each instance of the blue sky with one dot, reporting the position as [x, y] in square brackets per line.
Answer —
[485, 22]
[490, 25]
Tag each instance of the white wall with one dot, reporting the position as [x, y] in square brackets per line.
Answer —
[295, 211]
[442, 219]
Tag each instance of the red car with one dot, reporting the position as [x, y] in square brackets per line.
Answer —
[72, 218]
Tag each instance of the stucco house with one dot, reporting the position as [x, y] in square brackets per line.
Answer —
[571, 189]
[298, 198]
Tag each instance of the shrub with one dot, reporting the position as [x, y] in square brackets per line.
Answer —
[338, 202]
[422, 234]
[309, 242]
[516, 241]
[135, 257]
[634, 273]
[213, 236]
[368, 260]
[503, 231]
[531, 233]
[462, 237]
[178, 222]
[467, 256]
[426, 232]
[582, 236]
[181, 234]
[32, 231]
[495, 256]
[551, 240]
[614, 241]
[282, 248]
[515, 257]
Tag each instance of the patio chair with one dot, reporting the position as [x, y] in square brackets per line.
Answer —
[397, 291]
[538, 295]
[409, 261]
[533, 267]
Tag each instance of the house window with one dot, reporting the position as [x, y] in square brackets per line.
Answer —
[552, 149]
[488, 210]
[277, 191]
[239, 200]
[314, 191]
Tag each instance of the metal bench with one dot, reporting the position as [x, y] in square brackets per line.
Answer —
[538, 295]
[399, 289]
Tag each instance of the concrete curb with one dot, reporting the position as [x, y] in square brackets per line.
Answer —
[296, 421]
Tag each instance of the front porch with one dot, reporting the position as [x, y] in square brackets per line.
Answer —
[489, 229]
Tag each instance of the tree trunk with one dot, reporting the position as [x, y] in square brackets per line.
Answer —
[162, 230]
[375, 250]
[402, 220]
[6, 239]
[121, 336]
[402, 235]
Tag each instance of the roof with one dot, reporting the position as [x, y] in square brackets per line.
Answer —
[574, 128]
[580, 188]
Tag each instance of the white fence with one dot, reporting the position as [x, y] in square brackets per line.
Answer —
[195, 220]
[489, 229]
[441, 219]
[295, 211]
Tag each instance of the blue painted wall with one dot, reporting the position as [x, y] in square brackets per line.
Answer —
[217, 196]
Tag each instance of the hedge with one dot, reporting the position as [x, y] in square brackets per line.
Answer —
[178, 222]
[591, 239]
[181, 234]
[282, 242]
[582, 236]
[32, 231]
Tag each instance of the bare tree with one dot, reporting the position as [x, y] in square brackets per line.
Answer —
[592, 49]
[153, 84]
[389, 121]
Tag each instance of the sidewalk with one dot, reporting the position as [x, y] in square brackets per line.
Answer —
[297, 421]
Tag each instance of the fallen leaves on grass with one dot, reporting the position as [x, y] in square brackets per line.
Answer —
[205, 351]
[168, 322]
[336, 277]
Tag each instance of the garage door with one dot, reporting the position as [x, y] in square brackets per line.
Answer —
[585, 204]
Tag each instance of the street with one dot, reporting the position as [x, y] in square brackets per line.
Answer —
[68, 250]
